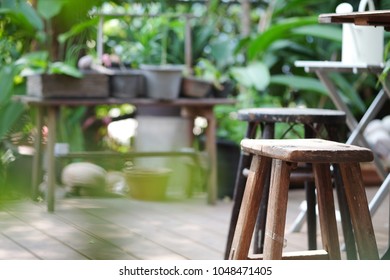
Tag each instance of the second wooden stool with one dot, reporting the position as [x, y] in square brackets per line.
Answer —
[263, 123]
[281, 156]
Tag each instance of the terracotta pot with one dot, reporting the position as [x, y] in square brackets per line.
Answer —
[195, 87]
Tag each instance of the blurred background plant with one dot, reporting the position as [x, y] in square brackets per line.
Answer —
[252, 44]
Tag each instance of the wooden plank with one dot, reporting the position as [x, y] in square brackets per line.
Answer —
[144, 102]
[307, 150]
[168, 237]
[39, 244]
[184, 218]
[11, 250]
[375, 18]
[68, 241]
[300, 255]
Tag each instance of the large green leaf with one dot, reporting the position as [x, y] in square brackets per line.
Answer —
[33, 63]
[348, 92]
[254, 75]
[50, 8]
[78, 29]
[60, 67]
[10, 113]
[31, 15]
[276, 32]
[22, 14]
[300, 83]
[6, 83]
[321, 31]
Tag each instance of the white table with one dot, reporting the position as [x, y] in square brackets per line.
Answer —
[367, 18]
[322, 70]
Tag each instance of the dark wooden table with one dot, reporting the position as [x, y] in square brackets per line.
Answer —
[190, 107]
[371, 18]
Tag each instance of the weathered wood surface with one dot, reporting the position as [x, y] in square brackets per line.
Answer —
[307, 150]
[292, 115]
[374, 18]
[122, 228]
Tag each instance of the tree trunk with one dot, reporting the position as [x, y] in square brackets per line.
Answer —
[246, 19]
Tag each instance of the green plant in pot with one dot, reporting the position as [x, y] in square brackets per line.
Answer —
[222, 85]
[163, 78]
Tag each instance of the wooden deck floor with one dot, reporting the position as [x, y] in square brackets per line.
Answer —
[123, 228]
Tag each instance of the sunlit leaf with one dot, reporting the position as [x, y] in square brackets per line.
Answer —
[49, 8]
[63, 68]
[254, 75]
[299, 83]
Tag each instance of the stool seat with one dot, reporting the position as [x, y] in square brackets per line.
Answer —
[279, 157]
[307, 150]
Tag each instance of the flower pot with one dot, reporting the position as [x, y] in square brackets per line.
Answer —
[162, 81]
[195, 87]
[148, 183]
[92, 85]
[127, 84]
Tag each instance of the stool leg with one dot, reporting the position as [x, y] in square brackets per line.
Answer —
[249, 208]
[346, 224]
[277, 209]
[358, 208]
[326, 209]
[239, 188]
[268, 132]
[311, 202]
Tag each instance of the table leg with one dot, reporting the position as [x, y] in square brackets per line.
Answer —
[351, 121]
[37, 159]
[368, 116]
[51, 181]
[211, 147]
[212, 152]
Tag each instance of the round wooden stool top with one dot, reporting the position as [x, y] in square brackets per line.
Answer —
[292, 115]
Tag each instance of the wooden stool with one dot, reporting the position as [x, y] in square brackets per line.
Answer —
[318, 123]
[281, 156]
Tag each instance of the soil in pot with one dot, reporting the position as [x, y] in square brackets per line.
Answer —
[148, 183]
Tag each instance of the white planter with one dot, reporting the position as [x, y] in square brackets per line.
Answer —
[162, 81]
[361, 44]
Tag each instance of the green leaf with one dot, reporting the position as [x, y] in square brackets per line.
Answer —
[63, 68]
[321, 31]
[33, 63]
[10, 113]
[277, 31]
[31, 15]
[300, 83]
[77, 29]
[254, 75]
[6, 83]
[348, 92]
[50, 8]
[23, 15]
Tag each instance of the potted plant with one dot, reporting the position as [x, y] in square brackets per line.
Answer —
[207, 72]
[146, 183]
[163, 79]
